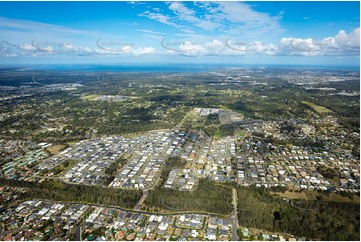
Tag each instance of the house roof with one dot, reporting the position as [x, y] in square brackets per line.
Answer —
[120, 233]
[8, 237]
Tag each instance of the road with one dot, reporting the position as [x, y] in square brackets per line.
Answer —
[235, 215]
[14, 231]
[177, 227]
[78, 236]
[156, 180]
[305, 209]
[231, 218]
[141, 200]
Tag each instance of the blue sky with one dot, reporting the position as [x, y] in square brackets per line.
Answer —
[320, 33]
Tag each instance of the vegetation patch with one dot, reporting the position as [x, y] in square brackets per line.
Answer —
[89, 97]
[317, 108]
[64, 166]
[55, 149]
[113, 169]
[58, 191]
[207, 198]
[318, 220]
[327, 172]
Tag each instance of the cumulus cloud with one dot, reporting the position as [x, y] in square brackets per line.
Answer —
[26, 46]
[253, 47]
[55, 40]
[30, 38]
[348, 41]
[7, 49]
[341, 44]
[69, 49]
[219, 48]
[215, 46]
[145, 51]
[188, 48]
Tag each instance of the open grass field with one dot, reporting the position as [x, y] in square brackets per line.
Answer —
[292, 195]
[55, 149]
[311, 195]
[89, 97]
[317, 108]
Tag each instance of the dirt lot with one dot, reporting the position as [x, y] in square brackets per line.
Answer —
[311, 195]
[55, 149]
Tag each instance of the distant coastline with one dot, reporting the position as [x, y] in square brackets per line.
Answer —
[160, 67]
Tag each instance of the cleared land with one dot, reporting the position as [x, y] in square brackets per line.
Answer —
[89, 97]
[312, 195]
[55, 149]
[292, 195]
[317, 108]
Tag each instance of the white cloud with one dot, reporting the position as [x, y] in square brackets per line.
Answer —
[254, 47]
[68, 49]
[215, 46]
[164, 19]
[188, 15]
[150, 31]
[341, 44]
[218, 48]
[160, 18]
[250, 24]
[7, 49]
[189, 48]
[145, 51]
[10, 55]
[238, 12]
[231, 18]
[32, 28]
[26, 46]
[348, 41]
[298, 46]
[28, 38]
[135, 3]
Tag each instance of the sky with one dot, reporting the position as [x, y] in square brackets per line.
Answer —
[299, 33]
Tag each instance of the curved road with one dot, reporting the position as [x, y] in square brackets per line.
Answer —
[232, 219]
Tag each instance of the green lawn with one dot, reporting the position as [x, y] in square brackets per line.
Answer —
[89, 97]
[317, 108]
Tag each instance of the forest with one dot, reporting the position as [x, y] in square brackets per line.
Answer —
[62, 116]
[43, 113]
[317, 220]
[58, 191]
[208, 197]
